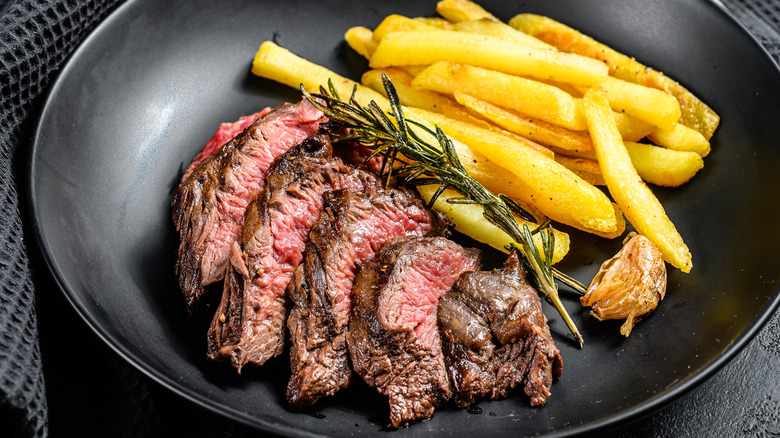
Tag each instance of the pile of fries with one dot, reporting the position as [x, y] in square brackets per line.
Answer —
[537, 111]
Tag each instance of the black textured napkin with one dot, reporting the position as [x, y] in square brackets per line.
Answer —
[36, 37]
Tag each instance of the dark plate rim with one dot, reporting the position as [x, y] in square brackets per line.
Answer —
[629, 415]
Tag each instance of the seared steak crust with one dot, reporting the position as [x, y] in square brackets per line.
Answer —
[248, 326]
[351, 229]
[209, 205]
[393, 335]
[499, 306]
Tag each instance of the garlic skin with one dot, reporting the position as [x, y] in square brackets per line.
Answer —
[629, 285]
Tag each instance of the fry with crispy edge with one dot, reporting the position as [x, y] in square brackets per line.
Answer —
[556, 191]
[681, 138]
[638, 203]
[695, 113]
[361, 40]
[426, 47]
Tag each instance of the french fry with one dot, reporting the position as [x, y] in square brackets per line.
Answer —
[462, 10]
[662, 166]
[427, 47]
[638, 203]
[399, 23]
[281, 65]
[681, 138]
[533, 98]
[556, 191]
[695, 113]
[646, 104]
[469, 220]
[486, 26]
[361, 39]
[409, 96]
[536, 130]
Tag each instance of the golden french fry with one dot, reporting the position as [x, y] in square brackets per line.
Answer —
[638, 203]
[533, 98]
[536, 130]
[681, 138]
[409, 96]
[279, 64]
[361, 40]
[662, 166]
[646, 104]
[399, 23]
[469, 220]
[462, 10]
[427, 47]
[556, 191]
[695, 113]
[486, 26]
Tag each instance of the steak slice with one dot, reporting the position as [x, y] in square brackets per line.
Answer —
[497, 305]
[209, 206]
[393, 334]
[351, 229]
[249, 323]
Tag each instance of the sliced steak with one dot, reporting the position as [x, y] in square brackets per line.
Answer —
[209, 206]
[351, 229]
[249, 323]
[393, 335]
[497, 306]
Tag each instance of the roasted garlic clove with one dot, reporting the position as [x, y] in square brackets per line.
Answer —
[629, 285]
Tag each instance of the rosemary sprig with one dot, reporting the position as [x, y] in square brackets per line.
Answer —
[421, 163]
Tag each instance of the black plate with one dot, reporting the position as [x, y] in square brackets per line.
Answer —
[143, 93]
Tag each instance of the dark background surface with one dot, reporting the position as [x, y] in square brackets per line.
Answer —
[92, 392]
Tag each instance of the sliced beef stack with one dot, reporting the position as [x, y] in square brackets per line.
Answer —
[249, 323]
[351, 229]
[495, 336]
[209, 206]
[393, 334]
